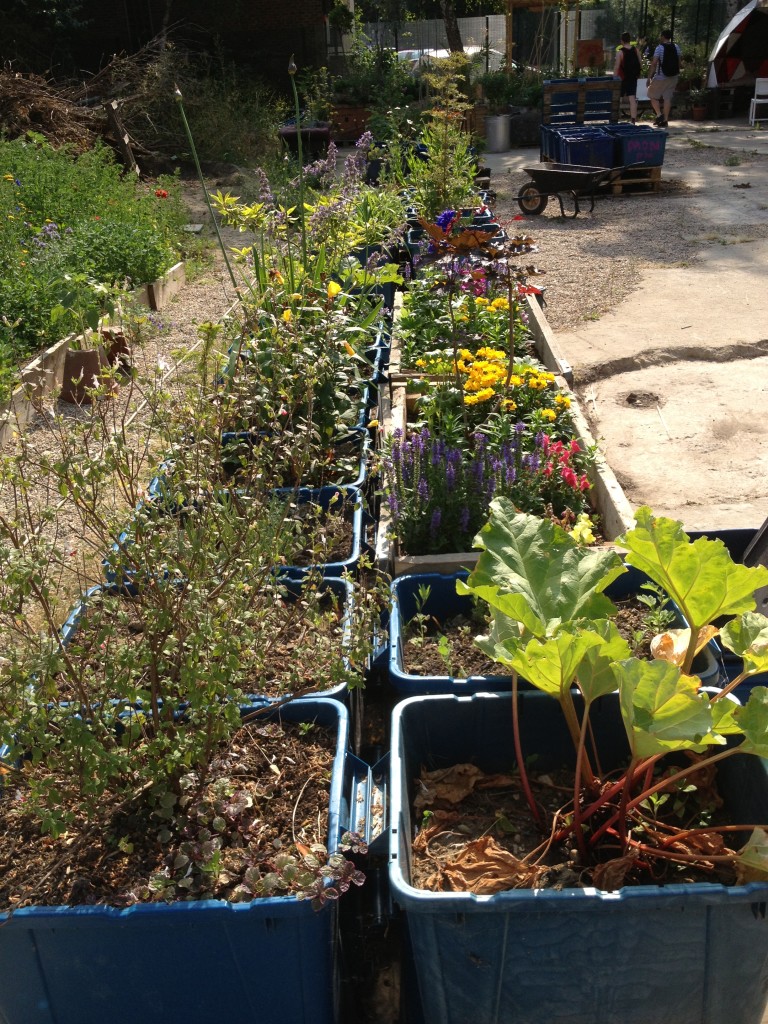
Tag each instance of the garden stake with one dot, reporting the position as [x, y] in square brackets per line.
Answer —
[188, 132]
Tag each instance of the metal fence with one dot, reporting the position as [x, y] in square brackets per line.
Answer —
[537, 35]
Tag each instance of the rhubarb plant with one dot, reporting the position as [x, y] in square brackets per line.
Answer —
[552, 625]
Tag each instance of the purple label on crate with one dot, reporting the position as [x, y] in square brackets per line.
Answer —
[642, 149]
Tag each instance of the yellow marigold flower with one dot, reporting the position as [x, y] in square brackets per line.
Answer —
[492, 354]
[508, 405]
[333, 289]
[563, 401]
[287, 315]
[479, 396]
[7, 177]
[466, 355]
[472, 384]
[480, 300]
[515, 381]
[297, 296]
[500, 303]
[548, 414]
[461, 366]
[421, 363]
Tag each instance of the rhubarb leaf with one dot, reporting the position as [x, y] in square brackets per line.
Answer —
[748, 637]
[595, 673]
[700, 576]
[535, 573]
[752, 860]
[550, 664]
[753, 719]
[662, 709]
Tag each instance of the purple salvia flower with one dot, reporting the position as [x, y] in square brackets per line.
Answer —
[519, 427]
[464, 519]
[423, 490]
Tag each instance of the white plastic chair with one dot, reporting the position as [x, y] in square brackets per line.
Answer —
[760, 98]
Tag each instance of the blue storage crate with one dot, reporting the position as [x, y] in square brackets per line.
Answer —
[273, 960]
[591, 147]
[692, 953]
[638, 145]
[444, 603]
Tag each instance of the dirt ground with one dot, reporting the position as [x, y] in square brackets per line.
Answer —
[670, 358]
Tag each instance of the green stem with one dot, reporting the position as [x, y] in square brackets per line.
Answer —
[301, 165]
[192, 147]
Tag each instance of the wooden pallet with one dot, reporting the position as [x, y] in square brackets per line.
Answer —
[648, 177]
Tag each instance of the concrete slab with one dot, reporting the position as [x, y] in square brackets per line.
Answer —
[674, 379]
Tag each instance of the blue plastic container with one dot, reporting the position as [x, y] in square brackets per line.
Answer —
[272, 960]
[291, 587]
[688, 954]
[360, 519]
[589, 147]
[444, 603]
[638, 145]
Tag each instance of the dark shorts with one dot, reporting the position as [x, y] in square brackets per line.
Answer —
[629, 87]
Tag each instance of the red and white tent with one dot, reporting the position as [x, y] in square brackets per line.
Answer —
[740, 55]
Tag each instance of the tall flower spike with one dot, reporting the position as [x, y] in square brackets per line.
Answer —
[292, 69]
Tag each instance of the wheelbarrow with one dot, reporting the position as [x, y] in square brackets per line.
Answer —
[574, 180]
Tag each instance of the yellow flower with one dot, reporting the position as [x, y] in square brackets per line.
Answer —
[466, 355]
[333, 289]
[515, 381]
[481, 301]
[287, 315]
[548, 414]
[508, 405]
[7, 177]
[277, 276]
[479, 396]
[421, 363]
[373, 424]
[582, 530]
[500, 303]
[494, 354]
[563, 401]
[297, 296]
[348, 348]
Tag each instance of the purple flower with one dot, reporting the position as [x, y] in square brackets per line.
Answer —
[394, 505]
[464, 519]
[450, 476]
[423, 490]
[510, 476]
[445, 219]
[519, 427]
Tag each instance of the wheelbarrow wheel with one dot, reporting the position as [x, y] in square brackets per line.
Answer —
[530, 200]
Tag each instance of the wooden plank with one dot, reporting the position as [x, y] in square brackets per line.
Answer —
[643, 176]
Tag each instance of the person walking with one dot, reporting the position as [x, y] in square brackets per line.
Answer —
[662, 78]
[627, 68]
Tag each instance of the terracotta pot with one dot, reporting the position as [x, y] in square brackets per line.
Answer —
[699, 113]
[82, 370]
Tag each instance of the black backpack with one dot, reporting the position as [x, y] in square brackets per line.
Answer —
[630, 64]
[670, 62]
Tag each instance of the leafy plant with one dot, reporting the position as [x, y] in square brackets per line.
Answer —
[552, 624]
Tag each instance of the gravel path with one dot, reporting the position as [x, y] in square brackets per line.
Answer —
[593, 262]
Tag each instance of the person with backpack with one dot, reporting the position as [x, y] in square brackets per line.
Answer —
[662, 78]
[627, 68]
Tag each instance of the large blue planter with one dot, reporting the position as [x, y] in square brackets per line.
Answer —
[688, 954]
[291, 587]
[444, 603]
[359, 518]
[272, 960]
